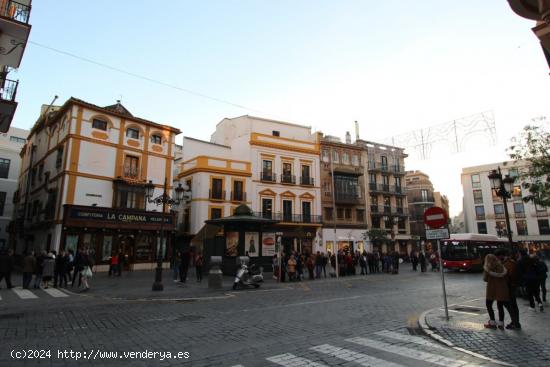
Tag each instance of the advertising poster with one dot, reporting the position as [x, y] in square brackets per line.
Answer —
[231, 243]
[251, 243]
[268, 244]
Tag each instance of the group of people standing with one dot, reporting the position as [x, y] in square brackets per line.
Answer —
[509, 276]
[47, 267]
[181, 262]
[422, 259]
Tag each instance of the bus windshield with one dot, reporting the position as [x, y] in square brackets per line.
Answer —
[458, 250]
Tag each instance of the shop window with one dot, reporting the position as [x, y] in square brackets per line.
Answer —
[107, 248]
[145, 246]
[132, 133]
[4, 167]
[71, 243]
[99, 124]
[156, 139]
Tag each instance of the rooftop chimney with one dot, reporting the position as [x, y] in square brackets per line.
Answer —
[348, 137]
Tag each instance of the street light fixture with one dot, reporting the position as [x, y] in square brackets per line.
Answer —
[163, 200]
[503, 189]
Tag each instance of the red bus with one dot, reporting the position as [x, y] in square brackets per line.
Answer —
[466, 251]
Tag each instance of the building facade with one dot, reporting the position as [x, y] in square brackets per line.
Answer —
[11, 144]
[344, 208]
[387, 199]
[484, 210]
[14, 33]
[271, 166]
[82, 183]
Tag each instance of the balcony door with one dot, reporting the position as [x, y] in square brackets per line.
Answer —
[267, 208]
[131, 167]
[306, 211]
[267, 170]
[287, 210]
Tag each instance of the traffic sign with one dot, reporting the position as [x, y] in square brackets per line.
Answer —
[437, 234]
[435, 217]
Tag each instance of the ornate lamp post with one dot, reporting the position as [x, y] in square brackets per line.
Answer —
[163, 200]
[503, 189]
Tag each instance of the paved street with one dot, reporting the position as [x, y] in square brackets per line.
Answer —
[349, 322]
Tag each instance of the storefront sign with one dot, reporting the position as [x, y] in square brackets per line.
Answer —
[114, 216]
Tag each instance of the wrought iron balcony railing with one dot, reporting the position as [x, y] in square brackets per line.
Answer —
[288, 179]
[345, 197]
[268, 176]
[8, 89]
[216, 194]
[238, 196]
[290, 218]
[307, 181]
[16, 11]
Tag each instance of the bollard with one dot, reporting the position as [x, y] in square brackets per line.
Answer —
[215, 276]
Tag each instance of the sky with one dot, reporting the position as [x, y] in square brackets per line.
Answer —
[394, 66]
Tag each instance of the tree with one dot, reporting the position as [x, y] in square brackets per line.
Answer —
[533, 146]
[377, 235]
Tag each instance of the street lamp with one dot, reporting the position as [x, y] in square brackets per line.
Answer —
[165, 200]
[503, 189]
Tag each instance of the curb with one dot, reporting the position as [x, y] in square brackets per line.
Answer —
[184, 299]
[427, 329]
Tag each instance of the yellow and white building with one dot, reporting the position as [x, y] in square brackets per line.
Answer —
[82, 182]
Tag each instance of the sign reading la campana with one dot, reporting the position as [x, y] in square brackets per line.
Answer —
[114, 216]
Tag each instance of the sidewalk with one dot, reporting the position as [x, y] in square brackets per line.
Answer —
[464, 331]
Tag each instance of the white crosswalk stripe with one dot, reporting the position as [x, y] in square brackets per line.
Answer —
[290, 360]
[352, 356]
[408, 352]
[24, 293]
[409, 338]
[55, 292]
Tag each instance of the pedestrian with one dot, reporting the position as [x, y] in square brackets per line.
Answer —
[299, 266]
[318, 265]
[70, 263]
[78, 267]
[395, 263]
[185, 260]
[422, 262]
[61, 262]
[48, 269]
[310, 263]
[414, 261]
[512, 305]
[29, 263]
[543, 271]
[363, 263]
[350, 268]
[86, 272]
[325, 263]
[38, 269]
[291, 268]
[6, 266]
[199, 261]
[122, 261]
[275, 265]
[532, 276]
[283, 266]
[494, 273]
[113, 264]
[176, 266]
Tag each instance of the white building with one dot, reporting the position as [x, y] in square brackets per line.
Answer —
[11, 144]
[484, 211]
[83, 181]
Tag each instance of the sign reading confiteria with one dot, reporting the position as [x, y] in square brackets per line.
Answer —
[116, 217]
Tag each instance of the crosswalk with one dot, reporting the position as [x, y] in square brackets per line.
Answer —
[384, 348]
[18, 293]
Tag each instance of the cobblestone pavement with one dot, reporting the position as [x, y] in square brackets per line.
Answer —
[356, 321]
[527, 347]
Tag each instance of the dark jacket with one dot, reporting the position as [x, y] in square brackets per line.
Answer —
[29, 263]
[6, 262]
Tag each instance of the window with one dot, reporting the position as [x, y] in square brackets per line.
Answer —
[516, 191]
[132, 133]
[499, 209]
[17, 139]
[287, 210]
[384, 162]
[482, 227]
[399, 202]
[476, 183]
[306, 211]
[99, 124]
[398, 182]
[156, 139]
[287, 173]
[355, 160]
[33, 176]
[424, 194]
[4, 167]
[519, 208]
[328, 213]
[267, 170]
[360, 214]
[375, 219]
[345, 158]
[480, 212]
[348, 213]
[267, 208]
[544, 226]
[501, 228]
[372, 178]
[385, 180]
[59, 157]
[478, 197]
[521, 226]
[387, 201]
[238, 194]
[216, 191]
[513, 172]
[40, 172]
[340, 213]
[539, 208]
[215, 213]
[373, 200]
[130, 197]
[131, 167]
[276, 133]
[324, 155]
[2, 203]
[326, 188]
[335, 156]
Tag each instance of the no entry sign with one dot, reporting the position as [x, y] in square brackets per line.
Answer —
[435, 217]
